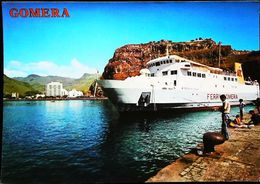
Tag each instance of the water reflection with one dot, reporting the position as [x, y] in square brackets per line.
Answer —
[145, 126]
[79, 141]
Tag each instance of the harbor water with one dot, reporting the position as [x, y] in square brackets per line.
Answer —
[82, 141]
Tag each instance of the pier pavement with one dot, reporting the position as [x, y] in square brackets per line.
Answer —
[237, 159]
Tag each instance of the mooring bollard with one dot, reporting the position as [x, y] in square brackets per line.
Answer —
[211, 139]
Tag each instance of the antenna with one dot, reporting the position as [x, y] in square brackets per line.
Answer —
[95, 88]
[167, 51]
[219, 53]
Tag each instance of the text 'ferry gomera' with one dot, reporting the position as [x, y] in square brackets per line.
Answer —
[173, 82]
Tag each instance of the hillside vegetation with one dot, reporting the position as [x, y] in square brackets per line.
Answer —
[23, 88]
[36, 83]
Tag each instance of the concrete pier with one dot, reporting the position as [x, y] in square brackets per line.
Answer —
[237, 159]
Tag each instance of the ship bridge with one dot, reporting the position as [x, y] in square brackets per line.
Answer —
[168, 62]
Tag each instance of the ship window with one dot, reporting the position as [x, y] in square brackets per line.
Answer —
[165, 73]
[167, 61]
[152, 75]
[170, 61]
[177, 60]
[232, 79]
[174, 83]
[182, 60]
[225, 78]
[174, 72]
[187, 65]
[163, 62]
[199, 74]
[189, 73]
[203, 75]
[194, 74]
[157, 63]
[235, 79]
[228, 78]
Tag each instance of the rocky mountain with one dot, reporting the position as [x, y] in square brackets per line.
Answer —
[129, 59]
[39, 82]
[250, 63]
[43, 80]
[83, 83]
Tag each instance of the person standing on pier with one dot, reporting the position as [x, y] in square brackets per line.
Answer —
[241, 108]
[225, 116]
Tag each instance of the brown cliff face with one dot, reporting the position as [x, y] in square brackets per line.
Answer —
[250, 63]
[130, 59]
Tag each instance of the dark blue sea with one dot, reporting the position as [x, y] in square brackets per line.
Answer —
[83, 141]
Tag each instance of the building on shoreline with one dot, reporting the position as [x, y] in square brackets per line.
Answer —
[64, 92]
[15, 95]
[74, 93]
[39, 96]
[55, 89]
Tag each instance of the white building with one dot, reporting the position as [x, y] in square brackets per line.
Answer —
[64, 92]
[54, 89]
[39, 95]
[15, 95]
[74, 93]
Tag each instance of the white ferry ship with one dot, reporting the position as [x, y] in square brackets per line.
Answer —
[173, 82]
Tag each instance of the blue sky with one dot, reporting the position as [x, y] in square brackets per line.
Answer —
[84, 42]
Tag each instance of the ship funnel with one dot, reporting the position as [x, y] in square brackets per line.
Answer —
[239, 73]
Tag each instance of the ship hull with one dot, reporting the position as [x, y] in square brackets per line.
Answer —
[144, 95]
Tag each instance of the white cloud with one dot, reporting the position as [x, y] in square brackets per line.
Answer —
[74, 70]
[15, 73]
[15, 63]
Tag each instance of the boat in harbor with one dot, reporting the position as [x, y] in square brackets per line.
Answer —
[173, 82]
